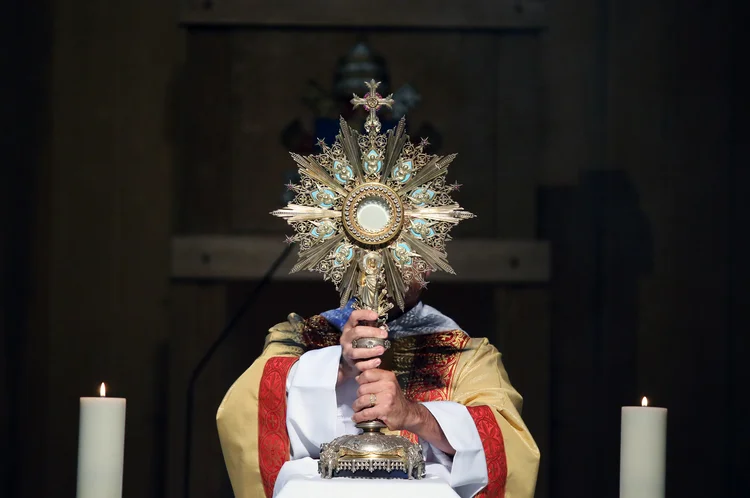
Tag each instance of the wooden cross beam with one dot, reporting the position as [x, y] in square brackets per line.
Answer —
[221, 257]
[464, 14]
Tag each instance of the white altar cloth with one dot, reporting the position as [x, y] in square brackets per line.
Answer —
[299, 478]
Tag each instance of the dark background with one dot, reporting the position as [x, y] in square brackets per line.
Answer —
[614, 130]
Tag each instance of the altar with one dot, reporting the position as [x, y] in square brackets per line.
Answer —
[301, 478]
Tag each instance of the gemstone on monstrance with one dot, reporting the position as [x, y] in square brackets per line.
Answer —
[372, 102]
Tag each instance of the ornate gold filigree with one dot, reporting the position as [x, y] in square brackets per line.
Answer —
[373, 193]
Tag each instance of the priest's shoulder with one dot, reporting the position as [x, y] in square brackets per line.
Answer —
[286, 335]
[301, 334]
[292, 325]
[481, 349]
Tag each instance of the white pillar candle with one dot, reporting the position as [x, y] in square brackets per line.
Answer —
[643, 449]
[101, 445]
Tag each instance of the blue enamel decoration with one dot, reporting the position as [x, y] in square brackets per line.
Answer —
[342, 255]
[372, 157]
[323, 235]
[344, 172]
[402, 253]
[421, 196]
[323, 197]
[421, 230]
[402, 173]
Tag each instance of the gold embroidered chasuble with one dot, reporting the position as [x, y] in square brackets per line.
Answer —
[445, 366]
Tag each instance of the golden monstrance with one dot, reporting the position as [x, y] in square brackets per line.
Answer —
[372, 212]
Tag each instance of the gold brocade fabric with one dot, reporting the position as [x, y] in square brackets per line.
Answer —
[436, 367]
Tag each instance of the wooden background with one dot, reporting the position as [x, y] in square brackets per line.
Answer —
[610, 129]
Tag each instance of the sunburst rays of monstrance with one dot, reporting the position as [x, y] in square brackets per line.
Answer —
[372, 212]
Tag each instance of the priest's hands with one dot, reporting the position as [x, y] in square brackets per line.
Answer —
[356, 360]
[397, 412]
[391, 406]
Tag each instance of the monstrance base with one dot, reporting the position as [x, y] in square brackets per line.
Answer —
[371, 455]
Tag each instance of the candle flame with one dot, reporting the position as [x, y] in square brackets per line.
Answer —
[644, 401]
[102, 390]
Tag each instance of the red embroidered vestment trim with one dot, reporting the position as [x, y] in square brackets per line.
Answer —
[433, 377]
[433, 370]
[273, 439]
[494, 450]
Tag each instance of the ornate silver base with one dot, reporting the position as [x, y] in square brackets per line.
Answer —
[371, 454]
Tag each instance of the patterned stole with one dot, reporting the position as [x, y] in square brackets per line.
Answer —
[425, 365]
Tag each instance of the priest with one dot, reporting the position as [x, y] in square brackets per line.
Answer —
[441, 387]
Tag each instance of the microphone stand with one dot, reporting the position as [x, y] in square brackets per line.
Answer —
[207, 358]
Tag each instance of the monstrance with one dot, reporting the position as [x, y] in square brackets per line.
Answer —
[372, 212]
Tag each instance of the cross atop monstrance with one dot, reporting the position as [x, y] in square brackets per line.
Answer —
[372, 102]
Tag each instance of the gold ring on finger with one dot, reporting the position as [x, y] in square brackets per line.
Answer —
[373, 399]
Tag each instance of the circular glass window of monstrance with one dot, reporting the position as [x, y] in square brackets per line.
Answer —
[373, 214]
